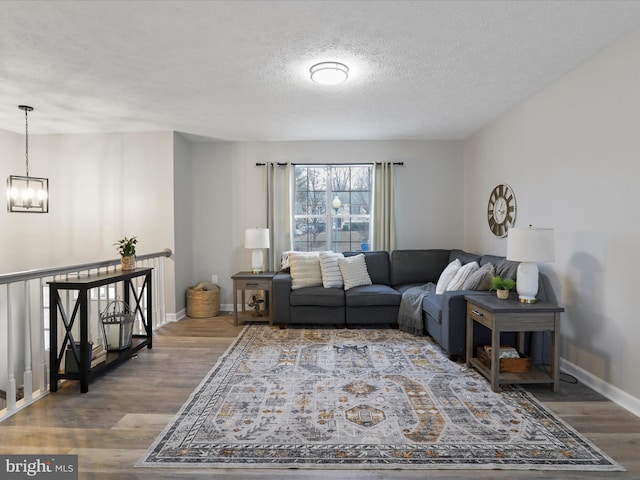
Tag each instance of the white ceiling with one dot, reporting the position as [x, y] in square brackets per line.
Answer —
[238, 70]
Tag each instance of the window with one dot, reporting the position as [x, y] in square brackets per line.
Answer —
[332, 207]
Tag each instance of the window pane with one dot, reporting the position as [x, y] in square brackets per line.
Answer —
[317, 223]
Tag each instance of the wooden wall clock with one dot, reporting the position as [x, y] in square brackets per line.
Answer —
[501, 211]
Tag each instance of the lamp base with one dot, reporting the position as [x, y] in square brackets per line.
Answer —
[257, 261]
[527, 299]
[527, 282]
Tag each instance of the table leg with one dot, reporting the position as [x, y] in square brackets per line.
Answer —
[469, 349]
[495, 358]
[235, 303]
[555, 352]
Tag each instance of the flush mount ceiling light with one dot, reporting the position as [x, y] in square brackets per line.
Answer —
[329, 73]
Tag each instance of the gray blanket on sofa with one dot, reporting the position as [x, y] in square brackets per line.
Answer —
[410, 313]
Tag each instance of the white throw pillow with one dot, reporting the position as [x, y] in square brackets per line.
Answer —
[354, 271]
[461, 275]
[284, 261]
[447, 275]
[331, 275]
[305, 270]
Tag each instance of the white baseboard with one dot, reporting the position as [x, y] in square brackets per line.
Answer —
[174, 317]
[616, 395]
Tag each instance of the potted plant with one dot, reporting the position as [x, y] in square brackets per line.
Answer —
[127, 251]
[502, 286]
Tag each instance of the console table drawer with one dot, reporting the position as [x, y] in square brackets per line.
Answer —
[253, 284]
[480, 315]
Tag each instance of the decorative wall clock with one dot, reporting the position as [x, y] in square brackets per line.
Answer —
[501, 211]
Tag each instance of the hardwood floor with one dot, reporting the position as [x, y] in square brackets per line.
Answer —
[112, 425]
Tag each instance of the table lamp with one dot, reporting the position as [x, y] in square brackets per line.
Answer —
[256, 239]
[528, 246]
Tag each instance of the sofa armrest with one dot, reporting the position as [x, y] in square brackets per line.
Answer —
[454, 320]
[280, 302]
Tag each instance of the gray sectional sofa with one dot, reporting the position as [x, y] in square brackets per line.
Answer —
[392, 274]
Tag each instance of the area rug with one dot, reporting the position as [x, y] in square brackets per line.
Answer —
[361, 398]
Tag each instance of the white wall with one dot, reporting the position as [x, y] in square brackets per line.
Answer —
[571, 154]
[229, 195]
[102, 187]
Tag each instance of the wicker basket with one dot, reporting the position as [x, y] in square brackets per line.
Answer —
[203, 300]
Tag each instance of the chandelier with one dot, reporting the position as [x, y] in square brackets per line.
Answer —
[24, 193]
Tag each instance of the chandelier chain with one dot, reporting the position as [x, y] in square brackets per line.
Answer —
[26, 139]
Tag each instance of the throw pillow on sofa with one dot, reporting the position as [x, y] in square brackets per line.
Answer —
[305, 270]
[331, 275]
[461, 275]
[354, 271]
[447, 275]
[480, 279]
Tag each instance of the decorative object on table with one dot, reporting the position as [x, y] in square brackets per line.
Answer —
[502, 286]
[27, 194]
[256, 239]
[255, 303]
[117, 325]
[323, 398]
[203, 300]
[501, 211]
[528, 246]
[127, 251]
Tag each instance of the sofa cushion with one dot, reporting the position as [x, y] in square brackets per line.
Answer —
[331, 275]
[305, 270]
[417, 267]
[461, 275]
[507, 269]
[317, 296]
[372, 295]
[354, 271]
[378, 265]
[464, 257]
[447, 275]
[494, 259]
[480, 279]
[432, 305]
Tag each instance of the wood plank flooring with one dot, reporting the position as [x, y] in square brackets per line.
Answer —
[112, 425]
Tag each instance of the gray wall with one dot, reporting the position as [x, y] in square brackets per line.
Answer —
[571, 155]
[183, 217]
[229, 194]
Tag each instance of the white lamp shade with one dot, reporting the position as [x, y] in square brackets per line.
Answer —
[256, 238]
[530, 245]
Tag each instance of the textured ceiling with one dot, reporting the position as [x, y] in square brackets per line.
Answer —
[238, 70]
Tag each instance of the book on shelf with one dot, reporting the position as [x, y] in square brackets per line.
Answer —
[97, 354]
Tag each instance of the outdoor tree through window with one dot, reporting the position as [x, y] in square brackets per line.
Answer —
[332, 208]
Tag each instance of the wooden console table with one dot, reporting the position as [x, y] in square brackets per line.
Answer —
[83, 284]
[512, 316]
[243, 281]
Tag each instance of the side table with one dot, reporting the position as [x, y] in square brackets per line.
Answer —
[243, 281]
[512, 316]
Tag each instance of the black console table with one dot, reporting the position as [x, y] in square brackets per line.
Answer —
[83, 284]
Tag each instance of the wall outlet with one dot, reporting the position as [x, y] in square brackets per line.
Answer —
[214, 279]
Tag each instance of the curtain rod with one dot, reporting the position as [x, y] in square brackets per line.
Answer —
[279, 164]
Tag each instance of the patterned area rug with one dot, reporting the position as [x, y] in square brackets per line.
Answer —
[327, 398]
